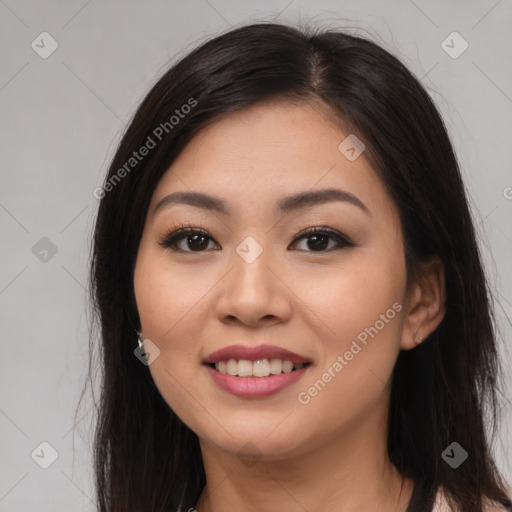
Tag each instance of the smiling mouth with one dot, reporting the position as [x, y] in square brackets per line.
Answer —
[259, 368]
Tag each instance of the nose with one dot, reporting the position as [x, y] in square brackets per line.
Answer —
[254, 294]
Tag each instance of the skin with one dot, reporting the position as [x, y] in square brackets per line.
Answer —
[328, 454]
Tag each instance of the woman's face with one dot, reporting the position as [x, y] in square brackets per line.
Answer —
[250, 278]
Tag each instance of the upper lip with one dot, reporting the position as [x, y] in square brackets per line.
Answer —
[254, 353]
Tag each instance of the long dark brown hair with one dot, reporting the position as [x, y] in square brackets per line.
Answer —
[145, 457]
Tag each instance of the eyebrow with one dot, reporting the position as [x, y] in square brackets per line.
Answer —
[287, 204]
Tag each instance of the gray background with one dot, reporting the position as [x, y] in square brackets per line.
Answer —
[61, 119]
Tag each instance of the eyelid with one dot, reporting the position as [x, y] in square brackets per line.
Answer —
[183, 227]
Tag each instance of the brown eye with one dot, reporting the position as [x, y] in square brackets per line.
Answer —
[318, 239]
[187, 240]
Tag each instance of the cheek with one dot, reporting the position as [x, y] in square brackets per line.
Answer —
[351, 296]
[167, 299]
[361, 313]
[172, 312]
[350, 384]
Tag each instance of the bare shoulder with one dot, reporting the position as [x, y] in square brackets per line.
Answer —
[441, 505]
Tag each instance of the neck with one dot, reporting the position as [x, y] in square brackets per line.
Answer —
[348, 473]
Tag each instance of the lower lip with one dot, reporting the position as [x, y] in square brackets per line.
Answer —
[255, 387]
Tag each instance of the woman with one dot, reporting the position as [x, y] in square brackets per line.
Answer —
[293, 309]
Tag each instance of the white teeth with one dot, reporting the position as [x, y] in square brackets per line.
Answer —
[244, 368]
[287, 366]
[258, 368]
[261, 368]
[232, 367]
[276, 366]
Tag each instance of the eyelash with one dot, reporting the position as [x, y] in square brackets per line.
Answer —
[170, 240]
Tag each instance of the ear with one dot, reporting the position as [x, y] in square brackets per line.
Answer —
[426, 304]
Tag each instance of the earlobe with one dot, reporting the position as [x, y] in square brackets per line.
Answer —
[418, 338]
[426, 304]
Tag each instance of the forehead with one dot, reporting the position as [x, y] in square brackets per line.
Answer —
[257, 153]
[282, 132]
